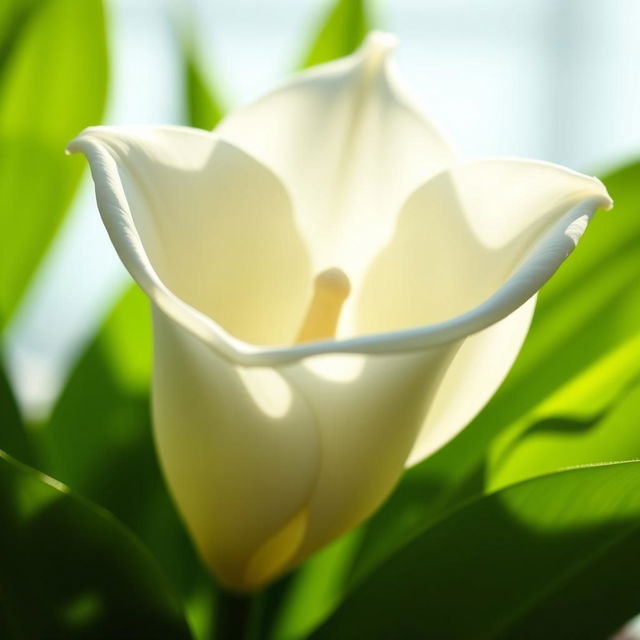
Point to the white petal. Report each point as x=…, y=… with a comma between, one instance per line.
x=369, y=410
x=199, y=220
x=113, y=185
x=268, y=465
x=350, y=147
x=461, y=235
x=240, y=450
x=475, y=374
x=472, y=245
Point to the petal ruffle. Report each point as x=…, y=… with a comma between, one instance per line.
x=461, y=235
x=197, y=219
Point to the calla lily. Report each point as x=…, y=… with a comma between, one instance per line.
x=335, y=295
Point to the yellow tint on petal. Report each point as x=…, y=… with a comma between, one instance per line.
x=274, y=554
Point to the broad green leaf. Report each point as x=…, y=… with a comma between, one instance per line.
x=203, y=105
x=70, y=570
x=14, y=16
x=592, y=418
x=315, y=590
x=554, y=557
x=52, y=85
x=423, y=495
x=14, y=438
x=341, y=33
x=579, y=422
x=588, y=311
x=99, y=441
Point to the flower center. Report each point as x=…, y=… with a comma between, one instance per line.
x=330, y=289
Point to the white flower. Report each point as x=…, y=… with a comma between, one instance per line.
x=335, y=295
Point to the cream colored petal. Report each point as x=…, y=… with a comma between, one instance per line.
x=369, y=411
x=475, y=374
x=240, y=450
x=200, y=220
x=350, y=147
x=461, y=235
x=471, y=246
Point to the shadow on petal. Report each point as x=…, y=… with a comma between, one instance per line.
x=216, y=225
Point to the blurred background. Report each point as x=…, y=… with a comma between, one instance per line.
x=556, y=81
x=551, y=80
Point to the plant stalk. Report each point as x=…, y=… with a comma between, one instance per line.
x=237, y=616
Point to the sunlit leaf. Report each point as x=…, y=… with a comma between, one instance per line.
x=99, y=441
x=14, y=438
x=591, y=419
x=14, y=16
x=555, y=558
x=203, y=105
x=587, y=310
x=70, y=570
x=343, y=30
x=52, y=84
x=315, y=590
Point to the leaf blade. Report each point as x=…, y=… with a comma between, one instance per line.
x=104, y=412
x=342, y=31
x=70, y=570
x=14, y=438
x=532, y=560
x=60, y=52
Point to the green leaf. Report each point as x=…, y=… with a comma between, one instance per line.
x=103, y=410
x=315, y=590
x=423, y=496
x=70, y=570
x=204, y=109
x=586, y=315
x=579, y=421
x=14, y=16
x=204, y=106
x=555, y=558
x=14, y=438
x=592, y=418
x=587, y=311
x=99, y=440
x=53, y=84
x=341, y=33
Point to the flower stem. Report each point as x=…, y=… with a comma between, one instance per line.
x=237, y=617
